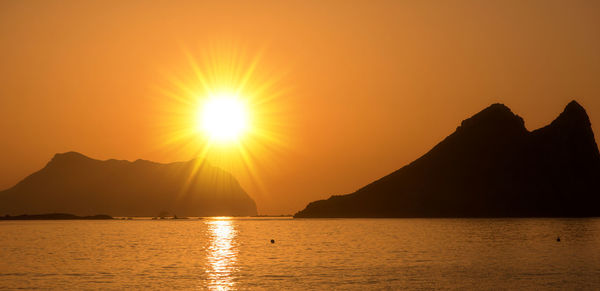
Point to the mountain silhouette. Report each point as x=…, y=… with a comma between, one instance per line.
x=55, y=216
x=491, y=166
x=74, y=183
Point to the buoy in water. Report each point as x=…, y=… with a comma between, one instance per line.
x=272, y=241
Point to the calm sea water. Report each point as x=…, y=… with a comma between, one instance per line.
x=223, y=253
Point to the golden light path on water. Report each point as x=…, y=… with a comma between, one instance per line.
x=221, y=253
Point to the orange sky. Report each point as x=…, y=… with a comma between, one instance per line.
x=369, y=85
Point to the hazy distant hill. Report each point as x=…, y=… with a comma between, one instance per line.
x=74, y=183
x=491, y=166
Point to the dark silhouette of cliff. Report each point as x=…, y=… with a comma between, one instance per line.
x=491, y=166
x=74, y=183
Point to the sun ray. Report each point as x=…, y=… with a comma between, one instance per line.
x=222, y=86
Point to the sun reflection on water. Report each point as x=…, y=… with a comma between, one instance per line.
x=222, y=253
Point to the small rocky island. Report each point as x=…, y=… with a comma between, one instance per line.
x=55, y=216
x=491, y=166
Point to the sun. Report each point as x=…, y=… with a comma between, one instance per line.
x=228, y=108
x=223, y=118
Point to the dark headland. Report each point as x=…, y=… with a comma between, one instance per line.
x=74, y=183
x=491, y=166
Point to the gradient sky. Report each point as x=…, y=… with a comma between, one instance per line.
x=369, y=85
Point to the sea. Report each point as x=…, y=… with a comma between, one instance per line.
x=224, y=253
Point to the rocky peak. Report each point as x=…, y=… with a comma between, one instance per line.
x=68, y=157
x=574, y=115
x=495, y=118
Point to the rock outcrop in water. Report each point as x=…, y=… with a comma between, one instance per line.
x=74, y=183
x=491, y=166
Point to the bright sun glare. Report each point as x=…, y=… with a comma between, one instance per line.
x=223, y=118
x=226, y=109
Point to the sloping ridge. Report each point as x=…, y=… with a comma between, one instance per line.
x=76, y=184
x=491, y=166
